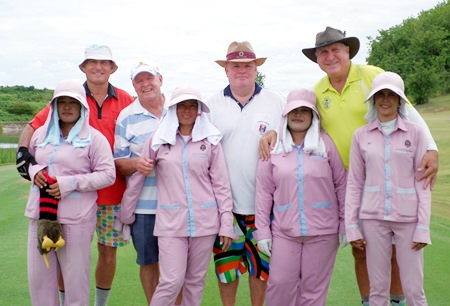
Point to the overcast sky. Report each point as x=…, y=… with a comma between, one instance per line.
x=43, y=42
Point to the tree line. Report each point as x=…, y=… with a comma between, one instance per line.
x=21, y=103
x=418, y=50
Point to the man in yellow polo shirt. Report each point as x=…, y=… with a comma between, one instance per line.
x=340, y=101
x=340, y=115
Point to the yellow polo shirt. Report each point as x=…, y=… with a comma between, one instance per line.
x=342, y=113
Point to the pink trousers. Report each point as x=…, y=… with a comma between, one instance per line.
x=378, y=235
x=74, y=260
x=183, y=263
x=300, y=270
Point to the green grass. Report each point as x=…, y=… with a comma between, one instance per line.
x=127, y=288
x=7, y=156
x=8, y=138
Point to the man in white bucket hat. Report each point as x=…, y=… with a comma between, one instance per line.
x=243, y=112
x=340, y=95
x=98, y=53
x=105, y=103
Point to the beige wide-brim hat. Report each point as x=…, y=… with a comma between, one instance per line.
x=187, y=92
x=100, y=53
x=331, y=36
x=241, y=52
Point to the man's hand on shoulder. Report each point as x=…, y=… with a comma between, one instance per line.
x=266, y=144
x=430, y=163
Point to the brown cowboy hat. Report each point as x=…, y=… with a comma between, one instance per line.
x=331, y=36
x=241, y=52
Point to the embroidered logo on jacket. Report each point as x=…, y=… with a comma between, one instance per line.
x=407, y=143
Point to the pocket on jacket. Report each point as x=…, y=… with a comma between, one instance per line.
x=208, y=216
x=71, y=207
x=169, y=216
x=325, y=216
x=370, y=200
x=285, y=217
x=408, y=202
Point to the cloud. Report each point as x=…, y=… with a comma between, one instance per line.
x=43, y=41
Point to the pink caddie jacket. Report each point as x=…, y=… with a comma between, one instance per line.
x=305, y=191
x=79, y=171
x=194, y=193
x=382, y=181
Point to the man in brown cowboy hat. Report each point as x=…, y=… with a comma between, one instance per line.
x=243, y=112
x=340, y=101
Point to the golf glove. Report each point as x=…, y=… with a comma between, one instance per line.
x=23, y=161
x=125, y=229
x=343, y=240
x=265, y=246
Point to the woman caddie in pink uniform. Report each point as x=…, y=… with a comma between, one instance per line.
x=384, y=200
x=79, y=157
x=303, y=183
x=194, y=197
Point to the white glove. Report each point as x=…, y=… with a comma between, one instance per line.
x=343, y=240
x=265, y=246
x=124, y=228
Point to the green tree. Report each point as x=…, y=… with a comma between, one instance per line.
x=418, y=50
x=260, y=78
x=421, y=83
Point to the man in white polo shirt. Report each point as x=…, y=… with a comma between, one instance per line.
x=243, y=112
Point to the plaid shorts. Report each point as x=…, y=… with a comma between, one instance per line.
x=243, y=254
x=106, y=234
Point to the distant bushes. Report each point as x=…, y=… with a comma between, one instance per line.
x=21, y=103
x=20, y=108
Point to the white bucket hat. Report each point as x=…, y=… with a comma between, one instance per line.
x=71, y=88
x=186, y=92
x=98, y=52
x=203, y=128
x=80, y=133
x=313, y=143
x=144, y=66
x=388, y=80
x=301, y=97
